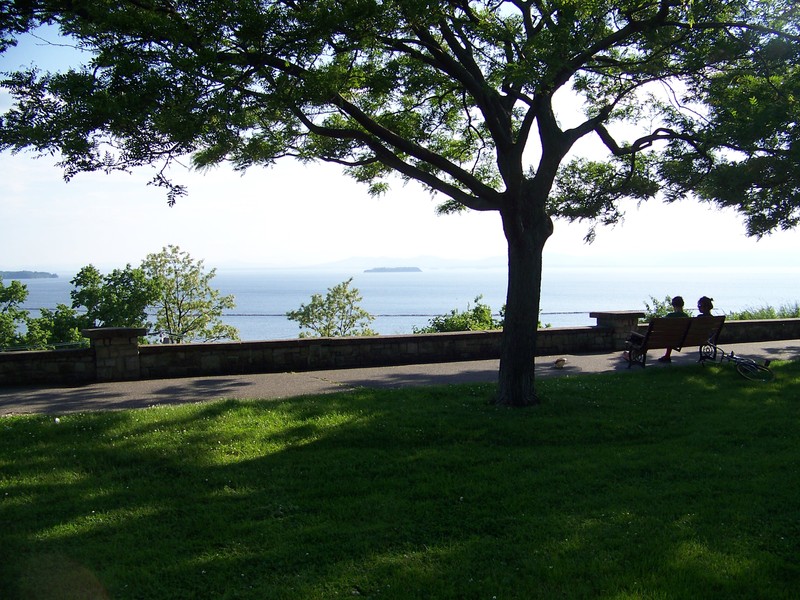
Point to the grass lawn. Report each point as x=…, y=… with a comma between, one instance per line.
x=678, y=482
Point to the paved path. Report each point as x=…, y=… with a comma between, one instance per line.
x=139, y=394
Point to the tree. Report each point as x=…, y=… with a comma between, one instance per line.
x=482, y=102
x=187, y=307
x=119, y=299
x=53, y=328
x=11, y=315
x=338, y=314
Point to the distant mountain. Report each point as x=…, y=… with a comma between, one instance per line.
x=424, y=263
x=27, y=275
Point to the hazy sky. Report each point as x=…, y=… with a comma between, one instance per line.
x=296, y=215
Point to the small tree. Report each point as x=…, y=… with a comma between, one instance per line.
x=187, y=307
x=11, y=315
x=338, y=314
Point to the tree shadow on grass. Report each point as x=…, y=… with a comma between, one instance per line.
x=381, y=493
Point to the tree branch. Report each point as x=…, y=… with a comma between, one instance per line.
x=466, y=71
x=735, y=25
x=660, y=134
x=582, y=58
x=484, y=198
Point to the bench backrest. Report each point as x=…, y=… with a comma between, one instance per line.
x=703, y=329
x=666, y=332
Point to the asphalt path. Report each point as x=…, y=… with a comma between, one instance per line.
x=55, y=400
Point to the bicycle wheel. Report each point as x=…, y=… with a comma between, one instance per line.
x=754, y=372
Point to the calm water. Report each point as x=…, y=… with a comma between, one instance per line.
x=402, y=301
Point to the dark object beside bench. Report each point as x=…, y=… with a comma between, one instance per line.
x=675, y=333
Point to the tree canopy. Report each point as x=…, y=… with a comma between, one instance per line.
x=337, y=314
x=483, y=102
x=119, y=299
x=187, y=307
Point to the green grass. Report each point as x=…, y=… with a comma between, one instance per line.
x=661, y=483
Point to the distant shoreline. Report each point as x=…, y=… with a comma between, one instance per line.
x=27, y=275
x=394, y=270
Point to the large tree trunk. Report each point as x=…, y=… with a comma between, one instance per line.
x=526, y=231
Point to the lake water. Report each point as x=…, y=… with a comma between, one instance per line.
x=402, y=301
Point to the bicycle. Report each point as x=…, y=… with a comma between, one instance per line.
x=746, y=367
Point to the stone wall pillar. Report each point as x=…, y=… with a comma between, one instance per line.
x=116, y=351
x=622, y=322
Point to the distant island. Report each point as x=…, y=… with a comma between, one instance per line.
x=394, y=270
x=27, y=275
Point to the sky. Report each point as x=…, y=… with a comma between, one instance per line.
x=293, y=215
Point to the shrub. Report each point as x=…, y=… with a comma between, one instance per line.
x=786, y=311
x=658, y=308
x=476, y=318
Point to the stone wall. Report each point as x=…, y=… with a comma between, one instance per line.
x=735, y=332
x=70, y=367
x=116, y=355
x=187, y=360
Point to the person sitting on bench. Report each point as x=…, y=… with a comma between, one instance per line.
x=677, y=312
x=704, y=305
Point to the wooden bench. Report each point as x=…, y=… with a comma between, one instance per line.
x=703, y=333
x=675, y=333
